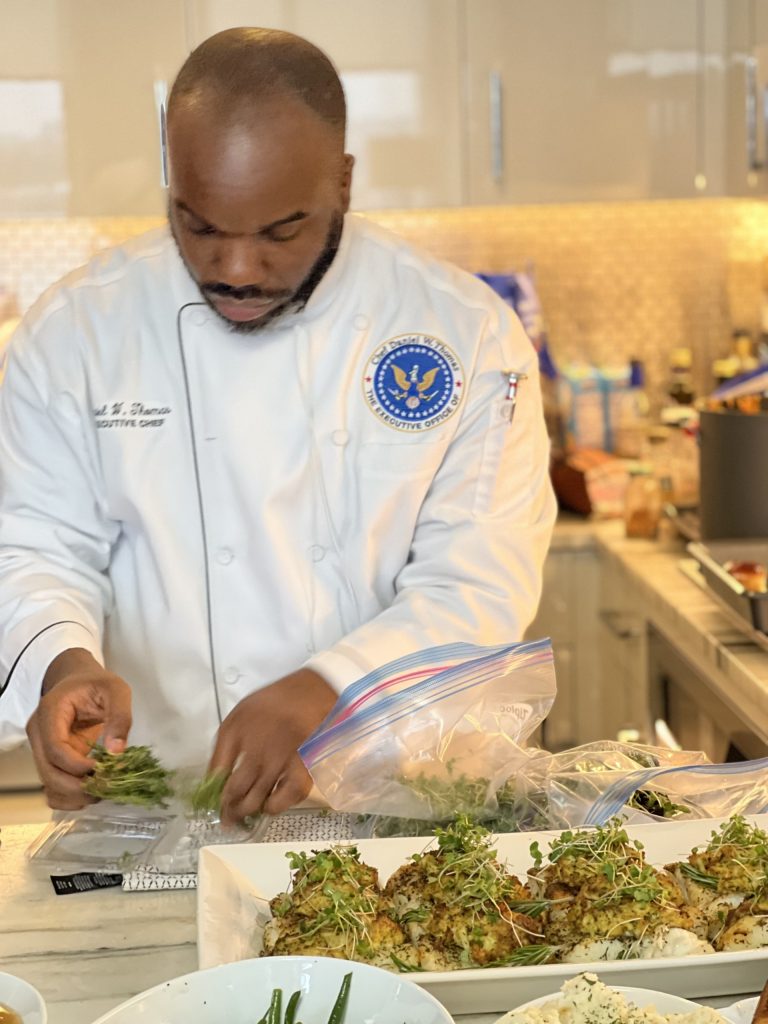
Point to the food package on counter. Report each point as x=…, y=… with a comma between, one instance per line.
x=591, y=482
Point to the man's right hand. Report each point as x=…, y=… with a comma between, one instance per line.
x=81, y=703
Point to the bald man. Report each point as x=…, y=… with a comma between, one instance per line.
x=248, y=460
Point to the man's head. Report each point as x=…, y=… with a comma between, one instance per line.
x=259, y=181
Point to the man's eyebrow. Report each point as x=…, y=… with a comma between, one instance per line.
x=290, y=219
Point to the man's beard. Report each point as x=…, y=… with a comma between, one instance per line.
x=293, y=304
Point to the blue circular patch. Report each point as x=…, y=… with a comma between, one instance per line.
x=413, y=382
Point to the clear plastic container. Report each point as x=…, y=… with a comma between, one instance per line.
x=119, y=838
x=642, y=504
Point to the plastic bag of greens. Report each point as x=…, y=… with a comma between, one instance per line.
x=591, y=784
x=560, y=790
x=434, y=735
x=699, y=790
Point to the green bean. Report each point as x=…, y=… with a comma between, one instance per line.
x=290, y=1012
x=340, y=1006
x=273, y=1013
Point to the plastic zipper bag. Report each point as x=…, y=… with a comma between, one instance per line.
x=561, y=790
x=699, y=790
x=438, y=746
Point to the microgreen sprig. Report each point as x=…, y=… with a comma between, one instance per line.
x=205, y=796
x=134, y=776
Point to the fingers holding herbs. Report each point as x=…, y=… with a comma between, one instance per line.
x=81, y=703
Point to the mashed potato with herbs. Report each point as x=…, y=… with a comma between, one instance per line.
x=586, y=1000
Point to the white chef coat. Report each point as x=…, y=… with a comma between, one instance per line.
x=205, y=511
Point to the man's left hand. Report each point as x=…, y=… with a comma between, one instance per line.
x=258, y=743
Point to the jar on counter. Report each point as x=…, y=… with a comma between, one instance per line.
x=642, y=504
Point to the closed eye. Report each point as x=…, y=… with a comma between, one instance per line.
x=282, y=233
x=203, y=229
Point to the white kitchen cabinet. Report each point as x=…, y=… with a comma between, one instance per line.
x=568, y=615
x=735, y=34
x=79, y=128
x=593, y=100
x=399, y=62
x=623, y=703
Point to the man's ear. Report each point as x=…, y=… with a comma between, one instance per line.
x=346, y=181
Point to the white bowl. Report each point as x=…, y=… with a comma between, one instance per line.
x=20, y=996
x=640, y=997
x=239, y=993
x=741, y=1012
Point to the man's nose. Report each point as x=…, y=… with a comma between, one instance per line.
x=243, y=262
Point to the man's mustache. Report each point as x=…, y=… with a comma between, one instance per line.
x=246, y=292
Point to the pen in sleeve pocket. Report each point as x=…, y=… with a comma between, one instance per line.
x=512, y=380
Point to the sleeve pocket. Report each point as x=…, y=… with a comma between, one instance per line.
x=495, y=485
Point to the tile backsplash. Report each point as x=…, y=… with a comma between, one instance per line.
x=616, y=280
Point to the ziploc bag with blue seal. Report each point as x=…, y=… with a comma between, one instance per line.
x=566, y=789
x=699, y=790
x=439, y=730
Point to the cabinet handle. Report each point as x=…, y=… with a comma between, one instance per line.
x=750, y=97
x=497, y=127
x=161, y=100
x=616, y=622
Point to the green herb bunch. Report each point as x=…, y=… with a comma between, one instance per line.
x=134, y=776
x=656, y=803
x=205, y=795
x=451, y=795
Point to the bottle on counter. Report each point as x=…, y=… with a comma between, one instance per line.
x=642, y=503
x=680, y=387
x=631, y=411
x=744, y=351
x=725, y=369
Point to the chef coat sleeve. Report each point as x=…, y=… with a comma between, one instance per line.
x=475, y=566
x=54, y=537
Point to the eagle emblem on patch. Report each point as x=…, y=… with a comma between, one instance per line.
x=413, y=382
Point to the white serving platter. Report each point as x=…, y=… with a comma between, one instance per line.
x=236, y=882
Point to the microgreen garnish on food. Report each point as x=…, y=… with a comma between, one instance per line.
x=609, y=842
x=737, y=831
x=736, y=857
x=607, y=859
x=342, y=894
x=467, y=870
x=134, y=776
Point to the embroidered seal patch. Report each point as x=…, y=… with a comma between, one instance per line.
x=413, y=382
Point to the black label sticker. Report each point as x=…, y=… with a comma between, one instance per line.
x=84, y=881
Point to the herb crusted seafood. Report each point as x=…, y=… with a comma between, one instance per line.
x=727, y=881
x=601, y=900
x=591, y=897
x=447, y=908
